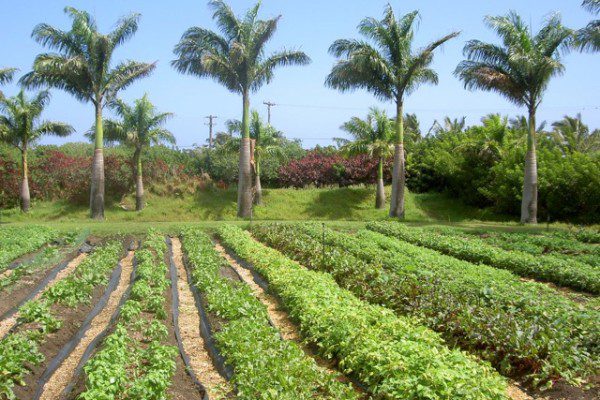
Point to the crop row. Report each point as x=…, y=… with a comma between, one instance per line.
x=547, y=247
x=134, y=362
x=17, y=241
x=22, y=347
x=575, y=275
x=522, y=328
x=265, y=365
x=394, y=356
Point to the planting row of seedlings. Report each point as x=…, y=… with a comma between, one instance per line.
x=393, y=356
x=577, y=276
x=547, y=247
x=18, y=241
x=136, y=360
x=523, y=328
x=45, y=324
x=263, y=364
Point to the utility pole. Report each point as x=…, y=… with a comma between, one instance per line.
x=210, y=127
x=269, y=105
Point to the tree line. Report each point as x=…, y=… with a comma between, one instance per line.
x=384, y=62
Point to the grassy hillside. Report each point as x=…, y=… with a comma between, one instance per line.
x=338, y=204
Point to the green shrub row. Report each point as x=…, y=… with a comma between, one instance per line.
x=574, y=275
x=485, y=310
x=17, y=241
x=134, y=362
x=394, y=356
x=265, y=366
x=19, y=350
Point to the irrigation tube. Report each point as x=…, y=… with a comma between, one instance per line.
x=205, y=328
x=175, y=312
x=68, y=348
x=100, y=337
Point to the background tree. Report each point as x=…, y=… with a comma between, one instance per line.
x=139, y=127
x=266, y=142
x=573, y=135
x=6, y=75
x=520, y=70
x=19, y=127
x=390, y=69
x=82, y=67
x=588, y=38
x=373, y=136
x=237, y=60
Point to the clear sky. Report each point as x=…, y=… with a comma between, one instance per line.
x=306, y=110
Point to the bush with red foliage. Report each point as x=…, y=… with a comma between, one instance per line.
x=318, y=169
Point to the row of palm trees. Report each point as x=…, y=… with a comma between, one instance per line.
x=385, y=64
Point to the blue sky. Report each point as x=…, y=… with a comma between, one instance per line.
x=307, y=110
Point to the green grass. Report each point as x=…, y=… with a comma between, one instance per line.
x=338, y=207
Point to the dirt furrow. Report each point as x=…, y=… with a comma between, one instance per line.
x=64, y=373
x=191, y=338
x=8, y=323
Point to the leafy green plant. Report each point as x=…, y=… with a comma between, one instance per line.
x=39, y=311
x=16, y=241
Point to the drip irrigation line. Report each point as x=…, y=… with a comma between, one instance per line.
x=66, y=350
x=175, y=312
x=89, y=351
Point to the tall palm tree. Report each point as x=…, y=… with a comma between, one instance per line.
x=237, y=60
x=6, y=75
x=588, y=38
x=520, y=70
x=573, y=135
x=20, y=127
x=82, y=67
x=390, y=69
x=265, y=142
x=373, y=136
x=139, y=127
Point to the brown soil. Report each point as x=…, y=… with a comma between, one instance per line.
x=8, y=323
x=192, y=341
x=281, y=320
x=63, y=375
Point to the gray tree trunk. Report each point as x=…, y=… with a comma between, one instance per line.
x=530, y=181
x=380, y=194
x=139, y=182
x=245, y=181
x=25, y=197
x=97, y=184
x=398, y=173
x=257, y=190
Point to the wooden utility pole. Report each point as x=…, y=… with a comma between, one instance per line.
x=269, y=105
x=210, y=129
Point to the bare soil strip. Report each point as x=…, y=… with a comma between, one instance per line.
x=64, y=374
x=280, y=319
x=8, y=323
x=189, y=327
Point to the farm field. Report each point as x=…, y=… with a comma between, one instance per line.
x=296, y=311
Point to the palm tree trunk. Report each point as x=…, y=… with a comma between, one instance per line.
x=257, y=184
x=25, y=197
x=530, y=189
x=398, y=173
x=97, y=186
x=380, y=195
x=244, y=199
x=139, y=183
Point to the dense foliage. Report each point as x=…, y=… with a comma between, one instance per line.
x=265, y=365
x=16, y=241
x=369, y=341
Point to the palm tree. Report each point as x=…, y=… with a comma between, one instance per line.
x=82, y=67
x=265, y=142
x=140, y=126
x=520, y=70
x=237, y=60
x=588, y=38
x=6, y=75
x=390, y=69
x=19, y=127
x=573, y=135
x=373, y=136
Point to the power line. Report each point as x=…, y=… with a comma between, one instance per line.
x=210, y=128
x=269, y=105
